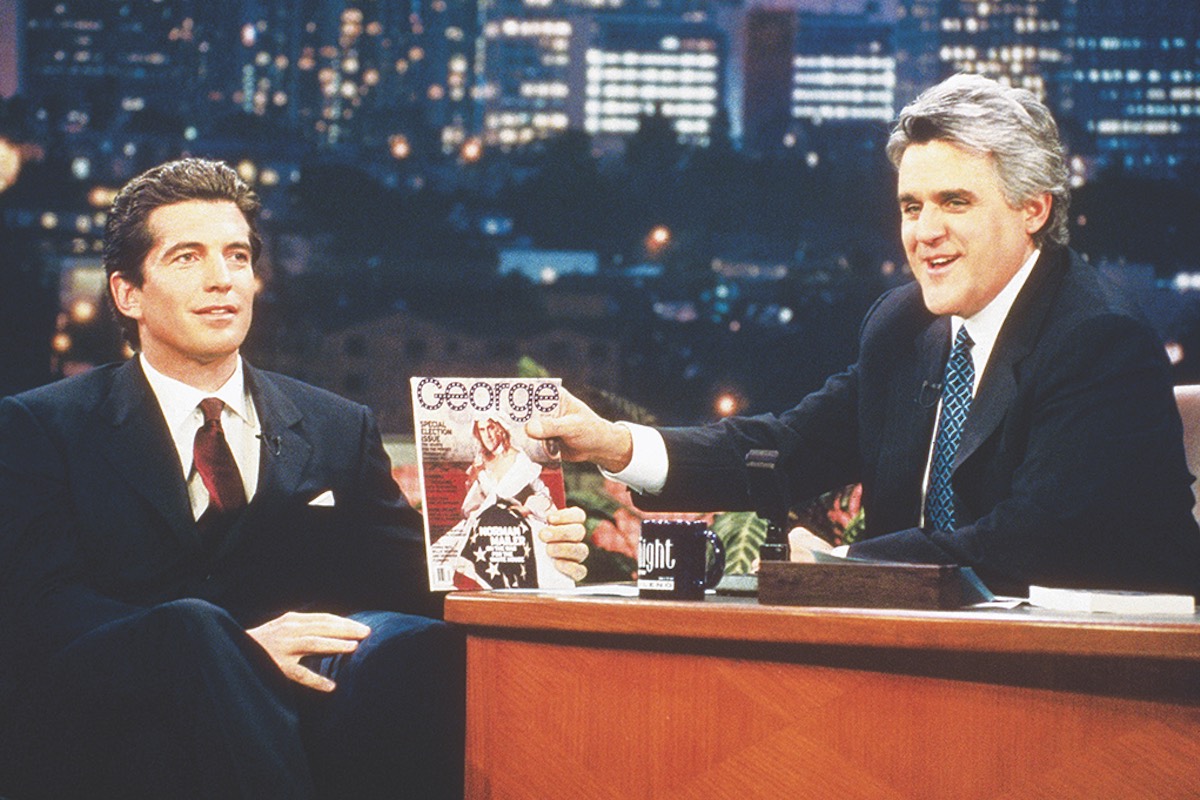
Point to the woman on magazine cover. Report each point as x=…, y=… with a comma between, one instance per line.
x=506, y=502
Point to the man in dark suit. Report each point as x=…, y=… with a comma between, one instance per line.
x=1008, y=410
x=210, y=585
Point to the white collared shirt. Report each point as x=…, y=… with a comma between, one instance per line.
x=647, y=471
x=985, y=324
x=180, y=404
x=984, y=328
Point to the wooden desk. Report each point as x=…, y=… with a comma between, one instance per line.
x=588, y=697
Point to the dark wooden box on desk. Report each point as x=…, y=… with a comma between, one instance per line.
x=855, y=584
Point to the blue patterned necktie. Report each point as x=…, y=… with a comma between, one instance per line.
x=957, y=384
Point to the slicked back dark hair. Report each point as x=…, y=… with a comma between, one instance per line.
x=127, y=237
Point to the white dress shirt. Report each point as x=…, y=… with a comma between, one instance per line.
x=647, y=471
x=180, y=404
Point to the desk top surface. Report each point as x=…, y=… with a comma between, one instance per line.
x=736, y=619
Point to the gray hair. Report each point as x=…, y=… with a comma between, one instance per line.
x=1009, y=124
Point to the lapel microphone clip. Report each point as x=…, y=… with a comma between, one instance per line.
x=274, y=443
x=929, y=394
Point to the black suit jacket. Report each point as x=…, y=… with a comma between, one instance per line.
x=1071, y=469
x=95, y=521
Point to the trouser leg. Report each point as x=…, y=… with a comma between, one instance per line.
x=175, y=701
x=393, y=727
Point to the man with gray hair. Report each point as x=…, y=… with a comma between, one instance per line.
x=1008, y=411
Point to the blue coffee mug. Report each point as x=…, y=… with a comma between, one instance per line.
x=673, y=559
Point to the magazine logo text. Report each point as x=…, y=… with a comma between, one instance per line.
x=516, y=399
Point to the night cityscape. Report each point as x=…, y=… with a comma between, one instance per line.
x=684, y=203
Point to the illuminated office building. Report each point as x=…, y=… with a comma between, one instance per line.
x=371, y=72
x=85, y=63
x=530, y=63
x=1133, y=85
x=518, y=8
x=374, y=73
x=1019, y=42
x=597, y=65
x=843, y=70
x=638, y=68
x=265, y=81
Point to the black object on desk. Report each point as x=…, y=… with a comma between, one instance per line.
x=772, y=505
x=857, y=583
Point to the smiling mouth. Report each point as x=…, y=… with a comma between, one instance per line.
x=217, y=312
x=940, y=263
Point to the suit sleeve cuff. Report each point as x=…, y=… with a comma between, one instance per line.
x=647, y=470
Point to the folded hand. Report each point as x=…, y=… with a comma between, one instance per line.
x=563, y=535
x=289, y=638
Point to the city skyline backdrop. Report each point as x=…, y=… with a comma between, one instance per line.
x=661, y=198
x=445, y=77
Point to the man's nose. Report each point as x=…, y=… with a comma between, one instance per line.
x=930, y=225
x=218, y=272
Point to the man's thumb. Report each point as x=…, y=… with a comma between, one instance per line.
x=540, y=428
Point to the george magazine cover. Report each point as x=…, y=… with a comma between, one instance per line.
x=485, y=486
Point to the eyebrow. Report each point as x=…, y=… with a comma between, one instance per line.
x=180, y=246
x=239, y=245
x=940, y=196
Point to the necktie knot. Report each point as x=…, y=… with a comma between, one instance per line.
x=211, y=408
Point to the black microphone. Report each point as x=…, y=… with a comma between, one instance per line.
x=771, y=502
x=274, y=443
x=929, y=394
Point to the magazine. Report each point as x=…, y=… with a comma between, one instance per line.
x=485, y=486
x=1111, y=601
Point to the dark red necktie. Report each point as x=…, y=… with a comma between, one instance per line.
x=215, y=463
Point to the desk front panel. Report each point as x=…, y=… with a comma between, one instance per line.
x=630, y=711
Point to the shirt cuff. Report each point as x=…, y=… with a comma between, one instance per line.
x=647, y=469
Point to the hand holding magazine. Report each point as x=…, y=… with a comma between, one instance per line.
x=485, y=486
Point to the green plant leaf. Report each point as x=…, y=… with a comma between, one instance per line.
x=597, y=505
x=614, y=406
x=528, y=368
x=742, y=533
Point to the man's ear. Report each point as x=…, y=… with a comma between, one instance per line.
x=1037, y=211
x=126, y=297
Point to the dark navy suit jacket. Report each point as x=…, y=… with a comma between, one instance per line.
x=95, y=521
x=1071, y=469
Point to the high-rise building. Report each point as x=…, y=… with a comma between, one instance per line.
x=639, y=67
x=768, y=48
x=374, y=73
x=529, y=65
x=1132, y=86
x=843, y=70
x=258, y=75
x=87, y=62
x=1019, y=42
x=600, y=66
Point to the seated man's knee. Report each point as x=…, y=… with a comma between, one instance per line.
x=410, y=638
x=189, y=620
